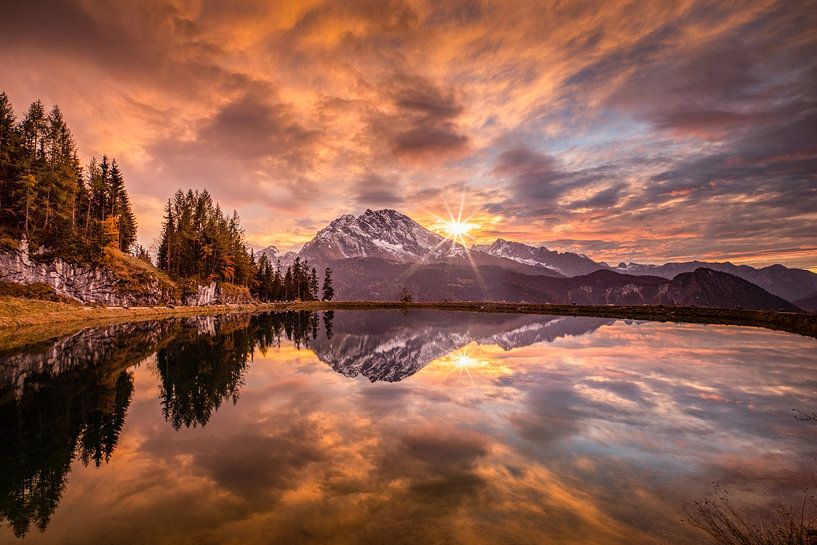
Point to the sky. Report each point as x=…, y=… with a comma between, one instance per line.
x=629, y=131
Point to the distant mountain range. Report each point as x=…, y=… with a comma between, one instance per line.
x=381, y=254
x=563, y=263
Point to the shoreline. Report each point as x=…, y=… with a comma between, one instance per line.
x=70, y=317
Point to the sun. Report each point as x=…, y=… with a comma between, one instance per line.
x=455, y=227
x=458, y=229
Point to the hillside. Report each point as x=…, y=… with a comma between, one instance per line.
x=808, y=303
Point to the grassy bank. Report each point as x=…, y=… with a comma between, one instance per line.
x=17, y=312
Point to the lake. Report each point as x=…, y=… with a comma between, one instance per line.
x=392, y=427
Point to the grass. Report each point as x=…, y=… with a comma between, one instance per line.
x=18, y=312
x=31, y=291
x=11, y=307
x=137, y=276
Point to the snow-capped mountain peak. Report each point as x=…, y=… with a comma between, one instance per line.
x=383, y=233
x=274, y=256
x=566, y=263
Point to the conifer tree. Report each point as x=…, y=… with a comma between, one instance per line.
x=9, y=162
x=313, y=285
x=199, y=242
x=328, y=290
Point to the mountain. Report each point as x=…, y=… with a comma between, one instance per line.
x=274, y=256
x=382, y=254
x=385, y=234
x=270, y=252
x=808, y=303
x=790, y=284
x=709, y=288
x=565, y=263
x=389, y=346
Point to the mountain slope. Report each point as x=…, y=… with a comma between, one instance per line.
x=566, y=263
x=808, y=303
x=790, y=284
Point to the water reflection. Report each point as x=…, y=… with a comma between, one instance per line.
x=471, y=428
x=77, y=414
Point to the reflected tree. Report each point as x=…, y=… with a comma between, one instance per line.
x=55, y=420
x=328, y=319
x=199, y=372
x=103, y=426
x=51, y=420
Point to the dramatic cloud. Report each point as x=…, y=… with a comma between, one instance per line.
x=685, y=132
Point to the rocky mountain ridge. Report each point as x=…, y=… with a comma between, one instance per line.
x=370, y=240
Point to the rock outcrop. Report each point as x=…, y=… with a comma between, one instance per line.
x=218, y=293
x=90, y=285
x=99, y=285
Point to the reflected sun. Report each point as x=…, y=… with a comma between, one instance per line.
x=463, y=360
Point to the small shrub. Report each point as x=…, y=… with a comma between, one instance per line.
x=727, y=525
x=405, y=296
x=8, y=243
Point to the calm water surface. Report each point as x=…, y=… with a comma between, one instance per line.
x=383, y=427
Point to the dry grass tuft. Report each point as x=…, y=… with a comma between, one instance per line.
x=726, y=525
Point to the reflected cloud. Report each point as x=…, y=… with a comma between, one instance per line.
x=564, y=430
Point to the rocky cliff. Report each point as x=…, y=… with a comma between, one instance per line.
x=124, y=281
x=89, y=285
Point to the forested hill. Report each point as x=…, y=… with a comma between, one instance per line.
x=47, y=196
x=82, y=215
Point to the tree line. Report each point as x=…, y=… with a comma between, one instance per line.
x=200, y=242
x=47, y=197
x=298, y=282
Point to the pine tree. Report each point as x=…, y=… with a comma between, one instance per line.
x=115, y=189
x=313, y=285
x=289, y=290
x=328, y=290
x=199, y=242
x=9, y=165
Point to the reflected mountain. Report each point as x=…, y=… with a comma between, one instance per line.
x=66, y=399
x=390, y=346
